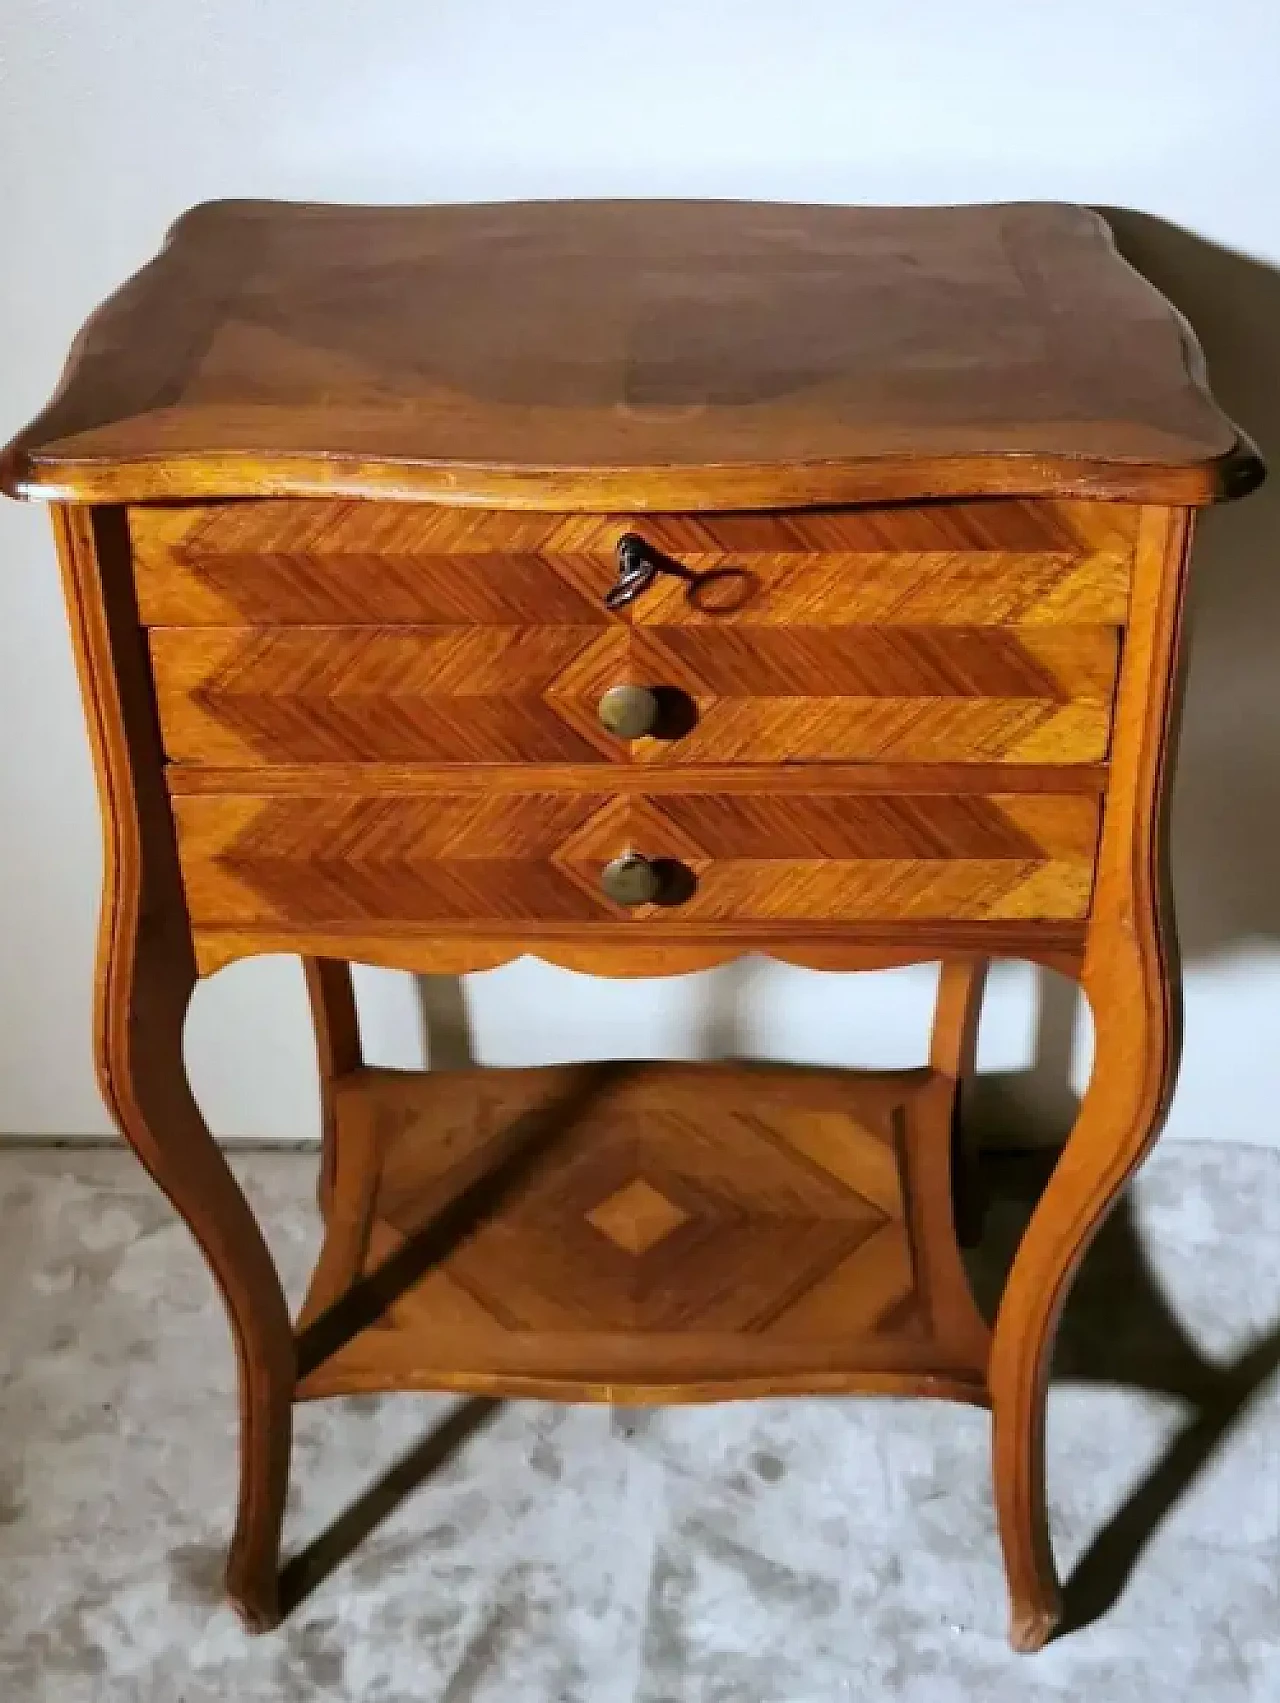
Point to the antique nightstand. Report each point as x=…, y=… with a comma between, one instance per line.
x=637, y=585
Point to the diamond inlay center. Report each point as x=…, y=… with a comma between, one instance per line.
x=637, y=1217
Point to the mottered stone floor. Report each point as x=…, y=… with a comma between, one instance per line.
x=774, y=1552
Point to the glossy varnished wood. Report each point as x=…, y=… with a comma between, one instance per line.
x=1130, y=977
x=642, y=1233
x=624, y=951
x=462, y=854
x=230, y=696
x=1088, y=780
x=353, y=714
x=145, y=976
x=338, y=632
x=953, y=1053
x=335, y=1020
x=310, y=563
x=665, y=945
x=661, y=355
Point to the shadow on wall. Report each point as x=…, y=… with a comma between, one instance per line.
x=1227, y=798
x=1226, y=801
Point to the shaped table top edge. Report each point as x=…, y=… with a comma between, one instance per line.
x=250, y=452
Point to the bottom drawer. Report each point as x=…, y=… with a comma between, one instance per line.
x=488, y=855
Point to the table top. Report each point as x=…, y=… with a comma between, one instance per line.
x=634, y=354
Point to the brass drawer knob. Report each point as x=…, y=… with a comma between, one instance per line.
x=629, y=711
x=631, y=880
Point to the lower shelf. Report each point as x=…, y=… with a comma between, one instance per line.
x=642, y=1232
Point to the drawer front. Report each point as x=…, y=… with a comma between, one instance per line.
x=230, y=695
x=288, y=632
x=302, y=563
x=498, y=856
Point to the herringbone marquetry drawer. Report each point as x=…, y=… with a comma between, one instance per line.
x=321, y=632
x=473, y=854
x=998, y=562
x=236, y=696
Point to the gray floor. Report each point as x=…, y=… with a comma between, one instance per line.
x=784, y=1552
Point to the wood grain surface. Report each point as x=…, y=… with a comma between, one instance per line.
x=336, y=779
x=311, y=563
x=144, y=977
x=620, y=950
x=331, y=995
x=919, y=483
x=1132, y=979
x=642, y=1232
x=954, y=632
x=471, y=855
x=233, y=696
x=666, y=355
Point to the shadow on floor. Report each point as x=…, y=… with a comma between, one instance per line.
x=1118, y=1329
x=311, y=1566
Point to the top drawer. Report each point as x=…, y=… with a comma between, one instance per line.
x=291, y=631
x=301, y=563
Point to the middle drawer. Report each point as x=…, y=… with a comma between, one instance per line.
x=544, y=694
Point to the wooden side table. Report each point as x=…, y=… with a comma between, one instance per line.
x=637, y=585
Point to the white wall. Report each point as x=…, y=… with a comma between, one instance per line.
x=115, y=114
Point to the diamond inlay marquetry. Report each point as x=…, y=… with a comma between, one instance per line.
x=637, y=1217
x=522, y=1218
x=472, y=854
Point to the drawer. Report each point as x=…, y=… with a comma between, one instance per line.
x=300, y=563
x=236, y=696
x=498, y=855
x=297, y=632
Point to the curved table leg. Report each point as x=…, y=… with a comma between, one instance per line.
x=145, y=975
x=143, y=997
x=1130, y=977
x=953, y=1049
x=337, y=1029
x=1136, y=1028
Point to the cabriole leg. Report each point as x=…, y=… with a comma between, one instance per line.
x=1136, y=1042
x=146, y=972
x=337, y=1030
x=953, y=1049
x=142, y=1004
x=1130, y=977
